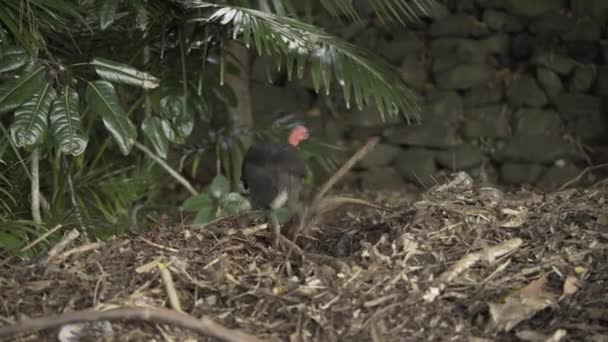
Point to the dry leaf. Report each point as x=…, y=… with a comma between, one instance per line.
x=570, y=287
x=515, y=218
x=521, y=305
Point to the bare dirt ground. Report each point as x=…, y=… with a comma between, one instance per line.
x=456, y=265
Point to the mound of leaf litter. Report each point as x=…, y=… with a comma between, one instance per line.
x=459, y=264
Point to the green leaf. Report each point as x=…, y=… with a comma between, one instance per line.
x=174, y=108
x=234, y=203
x=15, y=91
x=196, y=202
x=204, y=215
x=219, y=186
x=103, y=100
x=12, y=57
x=106, y=12
x=154, y=131
x=66, y=124
x=31, y=119
x=125, y=74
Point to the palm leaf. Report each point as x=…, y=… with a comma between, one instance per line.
x=30, y=21
x=362, y=78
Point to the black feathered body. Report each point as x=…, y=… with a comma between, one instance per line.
x=272, y=173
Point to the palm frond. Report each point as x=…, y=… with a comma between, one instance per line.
x=30, y=21
x=401, y=11
x=295, y=44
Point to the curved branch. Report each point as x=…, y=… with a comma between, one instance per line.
x=167, y=167
x=203, y=326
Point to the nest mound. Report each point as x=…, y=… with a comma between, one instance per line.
x=459, y=264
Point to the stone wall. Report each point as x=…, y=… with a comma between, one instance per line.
x=513, y=92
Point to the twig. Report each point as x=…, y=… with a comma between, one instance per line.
x=153, y=244
x=317, y=258
x=42, y=237
x=580, y=175
x=167, y=168
x=76, y=250
x=309, y=216
x=471, y=259
x=203, y=326
x=61, y=245
x=362, y=152
x=36, y=186
x=169, y=286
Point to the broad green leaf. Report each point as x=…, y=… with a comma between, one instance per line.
x=219, y=186
x=106, y=12
x=31, y=119
x=204, y=215
x=153, y=129
x=122, y=73
x=103, y=100
x=66, y=124
x=12, y=57
x=179, y=113
x=197, y=202
x=233, y=203
x=15, y=91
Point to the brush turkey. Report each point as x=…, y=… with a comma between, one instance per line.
x=272, y=175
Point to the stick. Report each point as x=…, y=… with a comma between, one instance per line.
x=580, y=175
x=203, y=326
x=61, y=245
x=169, y=286
x=153, y=244
x=167, y=168
x=36, y=186
x=362, y=152
x=80, y=249
x=42, y=237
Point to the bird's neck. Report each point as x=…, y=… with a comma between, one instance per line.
x=293, y=141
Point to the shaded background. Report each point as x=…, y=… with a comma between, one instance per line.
x=512, y=91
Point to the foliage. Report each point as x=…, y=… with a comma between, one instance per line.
x=216, y=201
x=84, y=78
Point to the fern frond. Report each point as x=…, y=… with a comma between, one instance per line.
x=362, y=77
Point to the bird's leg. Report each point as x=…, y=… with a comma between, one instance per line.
x=276, y=228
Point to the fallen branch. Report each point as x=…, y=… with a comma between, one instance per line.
x=61, y=245
x=328, y=204
x=76, y=250
x=362, y=152
x=203, y=326
x=310, y=215
x=169, y=286
x=580, y=175
x=40, y=238
x=167, y=167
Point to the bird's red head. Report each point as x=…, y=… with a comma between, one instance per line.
x=297, y=135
